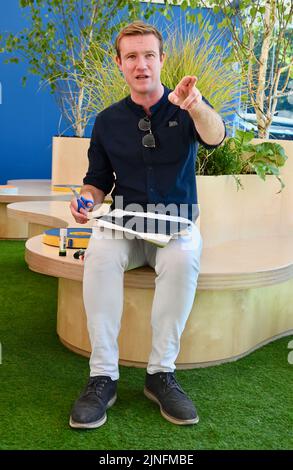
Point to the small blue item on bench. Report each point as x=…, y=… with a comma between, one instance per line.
x=76, y=237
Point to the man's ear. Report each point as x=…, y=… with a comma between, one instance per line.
x=162, y=59
x=118, y=62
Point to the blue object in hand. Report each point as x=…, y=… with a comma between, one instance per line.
x=82, y=202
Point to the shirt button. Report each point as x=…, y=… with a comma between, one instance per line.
x=150, y=167
x=151, y=190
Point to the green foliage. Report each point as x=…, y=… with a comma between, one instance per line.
x=239, y=156
x=186, y=54
x=100, y=77
x=198, y=53
x=58, y=37
x=263, y=46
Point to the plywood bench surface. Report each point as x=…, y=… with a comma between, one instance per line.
x=236, y=264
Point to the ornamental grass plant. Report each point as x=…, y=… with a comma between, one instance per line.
x=190, y=51
x=200, y=53
x=193, y=52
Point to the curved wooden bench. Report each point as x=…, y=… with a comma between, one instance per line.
x=28, y=190
x=42, y=215
x=245, y=288
x=237, y=308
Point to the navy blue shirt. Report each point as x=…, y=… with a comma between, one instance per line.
x=161, y=175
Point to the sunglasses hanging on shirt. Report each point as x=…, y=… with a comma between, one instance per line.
x=148, y=140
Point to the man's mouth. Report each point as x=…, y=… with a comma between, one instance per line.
x=142, y=77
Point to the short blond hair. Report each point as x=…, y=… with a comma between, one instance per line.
x=136, y=28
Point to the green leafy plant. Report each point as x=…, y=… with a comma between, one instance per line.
x=57, y=41
x=239, y=156
x=100, y=77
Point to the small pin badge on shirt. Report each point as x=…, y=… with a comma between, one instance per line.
x=173, y=123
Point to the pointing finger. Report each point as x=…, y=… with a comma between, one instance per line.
x=188, y=81
x=191, y=82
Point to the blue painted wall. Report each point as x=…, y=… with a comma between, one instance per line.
x=29, y=116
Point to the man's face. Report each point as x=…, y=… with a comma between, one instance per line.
x=140, y=63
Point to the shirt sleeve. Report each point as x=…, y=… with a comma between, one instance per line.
x=100, y=172
x=199, y=139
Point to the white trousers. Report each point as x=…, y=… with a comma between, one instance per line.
x=177, y=268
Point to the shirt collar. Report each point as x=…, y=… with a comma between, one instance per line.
x=139, y=109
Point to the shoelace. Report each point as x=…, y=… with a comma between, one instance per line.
x=170, y=381
x=96, y=386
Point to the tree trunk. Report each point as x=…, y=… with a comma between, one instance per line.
x=263, y=115
x=263, y=132
x=79, y=123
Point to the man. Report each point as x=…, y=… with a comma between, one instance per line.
x=146, y=144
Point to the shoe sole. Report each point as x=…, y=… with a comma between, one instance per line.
x=180, y=422
x=94, y=424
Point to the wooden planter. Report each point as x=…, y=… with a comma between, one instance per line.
x=256, y=211
x=69, y=160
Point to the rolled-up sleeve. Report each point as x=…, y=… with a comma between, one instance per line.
x=100, y=172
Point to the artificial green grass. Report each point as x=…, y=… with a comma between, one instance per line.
x=242, y=405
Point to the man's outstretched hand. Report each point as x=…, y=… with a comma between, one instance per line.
x=186, y=95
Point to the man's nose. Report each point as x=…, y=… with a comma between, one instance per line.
x=141, y=63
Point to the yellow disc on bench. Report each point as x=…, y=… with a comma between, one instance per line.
x=76, y=237
x=66, y=188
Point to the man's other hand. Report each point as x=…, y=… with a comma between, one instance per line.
x=186, y=95
x=81, y=215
